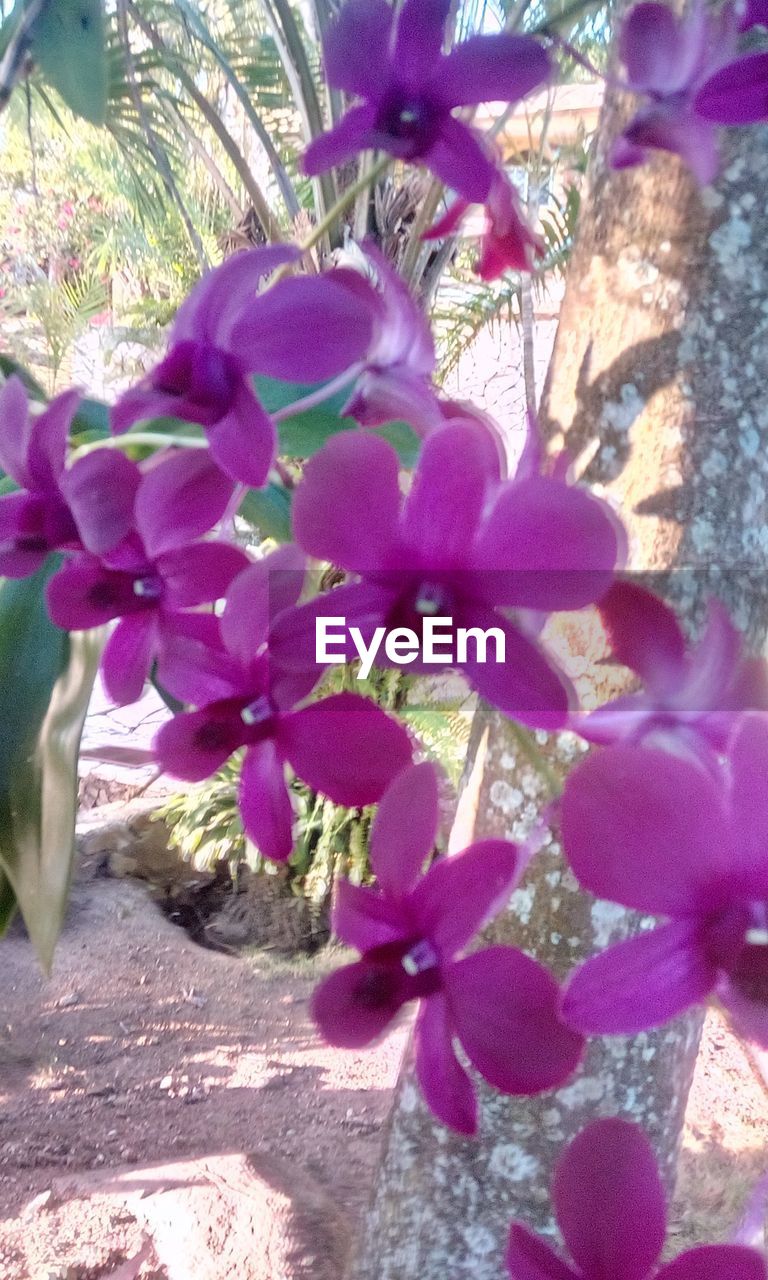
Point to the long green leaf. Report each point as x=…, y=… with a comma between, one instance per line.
x=46, y=677
x=69, y=43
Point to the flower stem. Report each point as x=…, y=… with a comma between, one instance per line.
x=154, y=438
x=366, y=179
x=320, y=395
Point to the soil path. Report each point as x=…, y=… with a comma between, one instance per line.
x=204, y=1073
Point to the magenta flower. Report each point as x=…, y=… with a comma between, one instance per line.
x=668, y=59
x=508, y=243
x=689, y=700
x=395, y=382
x=738, y=92
x=609, y=1204
x=410, y=89
x=664, y=835
x=462, y=545
x=303, y=329
x=411, y=929
x=343, y=746
x=38, y=518
x=154, y=573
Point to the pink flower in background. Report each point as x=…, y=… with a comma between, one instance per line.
x=343, y=746
x=38, y=518
x=411, y=930
x=508, y=243
x=689, y=700
x=664, y=835
x=303, y=329
x=609, y=1205
x=156, y=571
x=410, y=89
x=461, y=545
x=668, y=59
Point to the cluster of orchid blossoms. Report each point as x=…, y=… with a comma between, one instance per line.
x=669, y=816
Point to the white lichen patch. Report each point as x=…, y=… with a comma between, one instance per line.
x=513, y=1163
x=606, y=918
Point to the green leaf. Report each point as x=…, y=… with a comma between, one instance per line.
x=7, y=904
x=91, y=421
x=69, y=43
x=269, y=511
x=46, y=678
x=303, y=435
x=9, y=366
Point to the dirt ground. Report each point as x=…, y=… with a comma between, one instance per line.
x=146, y=1063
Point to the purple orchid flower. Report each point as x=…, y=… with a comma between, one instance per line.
x=609, y=1203
x=462, y=545
x=155, y=572
x=410, y=89
x=395, y=382
x=343, y=746
x=225, y=331
x=668, y=59
x=688, y=701
x=664, y=835
x=41, y=516
x=411, y=929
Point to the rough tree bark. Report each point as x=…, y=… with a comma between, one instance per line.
x=657, y=384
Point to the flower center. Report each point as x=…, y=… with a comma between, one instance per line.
x=431, y=600
x=420, y=959
x=410, y=122
x=148, y=588
x=256, y=712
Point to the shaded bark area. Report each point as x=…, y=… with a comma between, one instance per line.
x=657, y=387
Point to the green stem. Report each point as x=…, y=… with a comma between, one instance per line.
x=155, y=438
x=344, y=201
x=567, y=15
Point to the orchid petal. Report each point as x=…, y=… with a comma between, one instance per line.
x=15, y=427
x=491, y=68
x=447, y=1089
x=418, y=39
x=199, y=573
x=355, y=45
x=645, y=829
x=345, y=747
x=194, y=744
x=265, y=802
x=404, y=829
x=127, y=657
x=215, y=302
x=639, y=983
x=100, y=489
x=529, y=1258
x=446, y=499
x=461, y=893
x=352, y=134
x=715, y=1262
x=346, y=508
x=547, y=545
x=504, y=1010
x=181, y=497
x=48, y=436
x=331, y=329
x=609, y=1201
x=356, y=1005
x=257, y=596
x=737, y=93
x=644, y=635
x=365, y=918
x=459, y=159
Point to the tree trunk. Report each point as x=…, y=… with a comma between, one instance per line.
x=658, y=386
